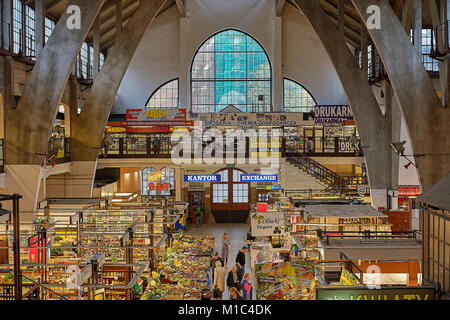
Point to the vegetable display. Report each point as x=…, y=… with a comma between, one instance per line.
x=183, y=272
x=286, y=281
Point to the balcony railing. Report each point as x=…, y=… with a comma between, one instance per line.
x=58, y=151
x=140, y=146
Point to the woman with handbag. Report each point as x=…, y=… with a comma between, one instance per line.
x=219, y=280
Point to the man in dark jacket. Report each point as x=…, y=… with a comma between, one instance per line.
x=240, y=259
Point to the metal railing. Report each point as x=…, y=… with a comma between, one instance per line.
x=160, y=146
x=58, y=151
x=325, y=175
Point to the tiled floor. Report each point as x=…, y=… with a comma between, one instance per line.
x=237, y=233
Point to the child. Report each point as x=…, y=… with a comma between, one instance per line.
x=247, y=288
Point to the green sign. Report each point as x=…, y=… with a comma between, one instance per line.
x=362, y=293
x=137, y=288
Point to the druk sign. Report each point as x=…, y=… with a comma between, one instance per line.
x=202, y=178
x=332, y=115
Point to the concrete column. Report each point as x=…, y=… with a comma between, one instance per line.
x=426, y=120
x=89, y=126
x=80, y=182
x=394, y=118
x=39, y=15
x=6, y=17
x=96, y=40
x=366, y=110
x=364, y=52
x=88, y=129
x=418, y=26
x=277, y=66
x=8, y=83
x=28, y=127
x=178, y=184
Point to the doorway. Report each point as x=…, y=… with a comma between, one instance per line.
x=195, y=198
x=230, y=197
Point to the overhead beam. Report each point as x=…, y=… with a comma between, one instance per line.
x=52, y=4
x=280, y=6
x=181, y=7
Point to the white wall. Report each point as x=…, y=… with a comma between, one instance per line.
x=170, y=44
x=305, y=59
x=155, y=62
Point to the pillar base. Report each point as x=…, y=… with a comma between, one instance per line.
x=379, y=198
x=24, y=180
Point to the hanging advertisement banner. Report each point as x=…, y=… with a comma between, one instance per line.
x=265, y=224
x=251, y=119
x=153, y=117
x=333, y=115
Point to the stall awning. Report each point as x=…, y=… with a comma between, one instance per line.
x=409, y=191
x=343, y=211
x=439, y=194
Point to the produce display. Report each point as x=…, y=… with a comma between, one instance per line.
x=286, y=281
x=183, y=272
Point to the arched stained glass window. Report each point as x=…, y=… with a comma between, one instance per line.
x=297, y=98
x=165, y=96
x=231, y=68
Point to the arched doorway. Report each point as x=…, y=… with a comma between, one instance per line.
x=230, y=198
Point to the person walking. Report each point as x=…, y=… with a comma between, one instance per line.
x=213, y=261
x=240, y=259
x=247, y=288
x=234, y=294
x=198, y=214
x=225, y=247
x=219, y=279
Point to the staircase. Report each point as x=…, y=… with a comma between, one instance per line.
x=322, y=174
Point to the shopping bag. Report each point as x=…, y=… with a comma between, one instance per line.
x=216, y=292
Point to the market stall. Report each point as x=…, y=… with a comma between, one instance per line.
x=285, y=281
x=183, y=272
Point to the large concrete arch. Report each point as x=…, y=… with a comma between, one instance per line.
x=28, y=126
x=426, y=119
x=88, y=128
x=371, y=123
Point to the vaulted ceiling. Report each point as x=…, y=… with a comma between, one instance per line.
x=115, y=14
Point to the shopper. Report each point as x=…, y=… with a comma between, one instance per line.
x=219, y=279
x=234, y=294
x=225, y=247
x=234, y=278
x=247, y=288
x=240, y=259
x=198, y=214
x=214, y=259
